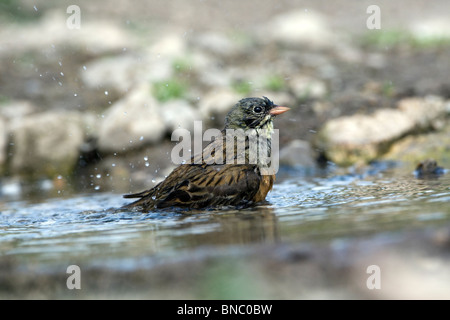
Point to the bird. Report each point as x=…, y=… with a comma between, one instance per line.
x=221, y=177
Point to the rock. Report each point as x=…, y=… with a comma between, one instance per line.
x=3, y=145
x=17, y=108
x=428, y=169
x=123, y=72
x=131, y=122
x=414, y=148
x=51, y=34
x=301, y=27
x=426, y=112
x=361, y=138
x=179, y=114
x=297, y=153
x=307, y=88
x=169, y=46
x=216, y=104
x=215, y=43
x=433, y=29
x=119, y=73
x=45, y=144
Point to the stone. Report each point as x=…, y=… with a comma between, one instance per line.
x=297, y=153
x=16, y=108
x=215, y=43
x=300, y=27
x=216, y=104
x=132, y=122
x=3, y=145
x=169, y=46
x=45, y=144
x=362, y=138
x=50, y=34
x=179, y=114
x=415, y=148
x=119, y=73
x=306, y=88
x=431, y=29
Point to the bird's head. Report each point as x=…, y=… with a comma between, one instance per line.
x=253, y=113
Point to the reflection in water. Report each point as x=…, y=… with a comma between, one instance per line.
x=299, y=209
x=256, y=225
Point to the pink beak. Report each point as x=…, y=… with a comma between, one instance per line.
x=278, y=110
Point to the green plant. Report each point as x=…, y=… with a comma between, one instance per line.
x=181, y=65
x=242, y=87
x=394, y=37
x=169, y=89
x=274, y=83
x=18, y=11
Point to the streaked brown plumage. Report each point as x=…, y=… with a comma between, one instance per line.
x=214, y=179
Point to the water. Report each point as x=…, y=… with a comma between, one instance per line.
x=89, y=231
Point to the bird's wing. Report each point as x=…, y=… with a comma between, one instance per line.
x=215, y=185
x=199, y=186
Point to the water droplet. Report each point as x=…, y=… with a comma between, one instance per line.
x=154, y=197
x=35, y=9
x=75, y=94
x=61, y=73
x=97, y=188
x=147, y=164
x=141, y=138
x=98, y=176
x=106, y=93
x=84, y=68
x=153, y=180
x=60, y=63
x=145, y=158
x=113, y=165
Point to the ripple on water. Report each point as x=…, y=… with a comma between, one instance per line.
x=298, y=208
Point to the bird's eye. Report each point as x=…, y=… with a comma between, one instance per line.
x=257, y=109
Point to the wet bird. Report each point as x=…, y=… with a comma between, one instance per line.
x=223, y=175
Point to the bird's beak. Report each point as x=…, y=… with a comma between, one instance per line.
x=278, y=110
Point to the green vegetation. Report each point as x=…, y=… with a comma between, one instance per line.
x=388, y=89
x=169, y=89
x=181, y=65
x=17, y=11
x=392, y=38
x=242, y=87
x=4, y=99
x=274, y=83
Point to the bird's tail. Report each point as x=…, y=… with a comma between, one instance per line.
x=144, y=196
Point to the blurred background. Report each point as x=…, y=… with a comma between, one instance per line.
x=99, y=90
x=91, y=91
